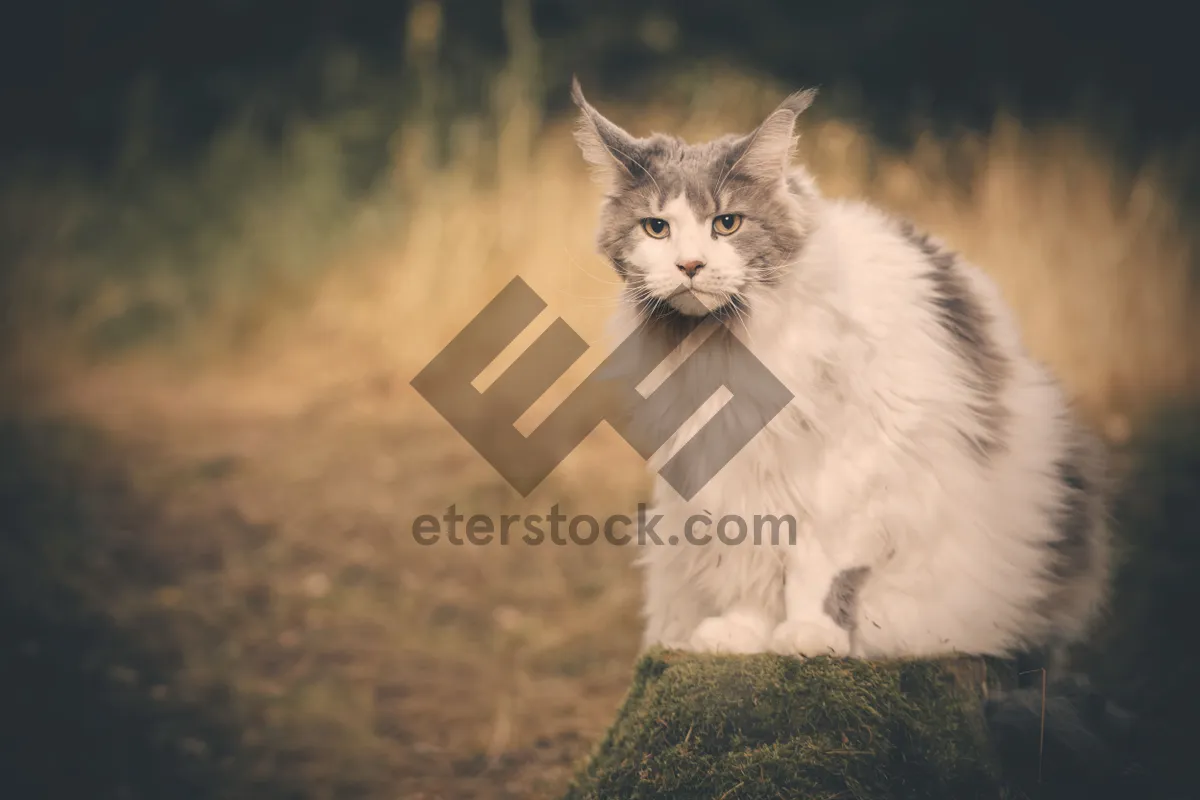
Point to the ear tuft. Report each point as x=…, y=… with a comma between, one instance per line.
x=577, y=94
x=798, y=102
x=769, y=149
x=608, y=148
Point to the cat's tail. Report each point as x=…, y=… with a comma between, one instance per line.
x=1069, y=742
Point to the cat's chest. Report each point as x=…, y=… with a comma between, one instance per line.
x=775, y=472
x=752, y=457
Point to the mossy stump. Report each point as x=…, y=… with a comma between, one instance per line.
x=766, y=726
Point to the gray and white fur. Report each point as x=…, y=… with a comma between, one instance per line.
x=948, y=499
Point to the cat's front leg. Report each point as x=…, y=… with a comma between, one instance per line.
x=752, y=589
x=674, y=605
x=817, y=597
x=711, y=597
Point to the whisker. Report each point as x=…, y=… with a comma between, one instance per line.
x=771, y=269
x=574, y=262
x=744, y=319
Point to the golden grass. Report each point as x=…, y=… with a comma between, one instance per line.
x=1096, y=262
x=1095, y=258
x=500, y=650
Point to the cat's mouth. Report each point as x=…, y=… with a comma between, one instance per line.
x=689, y=305
x=694, y=305
x=694, y=302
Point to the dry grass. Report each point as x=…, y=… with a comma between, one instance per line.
x=289, y=448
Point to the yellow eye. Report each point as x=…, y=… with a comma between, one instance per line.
x=727, y=224
x=656, y=228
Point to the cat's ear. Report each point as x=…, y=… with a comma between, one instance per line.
x=768, y=150
x=609, y=149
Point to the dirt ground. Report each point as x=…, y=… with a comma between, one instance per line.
x=203, y=597
x=210, y=587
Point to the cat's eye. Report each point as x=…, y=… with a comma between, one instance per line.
x=656, y=228
x=727, y=224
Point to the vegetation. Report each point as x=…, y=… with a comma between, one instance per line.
x=766, y=726
x=213, y=459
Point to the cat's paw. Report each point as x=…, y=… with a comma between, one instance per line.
x=809, y=639
x=729, y=634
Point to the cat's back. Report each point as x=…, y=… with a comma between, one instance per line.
x=878, y=285
x=881, y=276
x=899, y=283
x=894, y=274
x=921, y=323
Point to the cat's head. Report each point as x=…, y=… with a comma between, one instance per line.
x=694, y=230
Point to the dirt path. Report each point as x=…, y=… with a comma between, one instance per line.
x=203, y=602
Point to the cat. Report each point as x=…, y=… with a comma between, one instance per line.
x=948, y=499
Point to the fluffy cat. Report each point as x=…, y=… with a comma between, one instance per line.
x=946, y=498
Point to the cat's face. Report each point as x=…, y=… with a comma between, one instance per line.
x=692, y=229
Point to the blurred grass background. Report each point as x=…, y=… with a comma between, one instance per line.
x=232, y=235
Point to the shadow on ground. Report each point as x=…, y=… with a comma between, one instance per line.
x=1147, y=658
x=84, y=710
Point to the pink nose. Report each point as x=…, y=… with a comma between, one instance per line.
x=690, y=268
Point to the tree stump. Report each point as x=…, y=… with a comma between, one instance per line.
x=767, y=726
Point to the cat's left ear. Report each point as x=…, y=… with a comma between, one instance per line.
x=768, y=150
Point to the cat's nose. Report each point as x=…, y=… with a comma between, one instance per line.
x=690, y=268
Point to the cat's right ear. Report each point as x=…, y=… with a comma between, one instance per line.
x=609, y=149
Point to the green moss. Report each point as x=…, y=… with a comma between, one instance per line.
x=706, y=726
